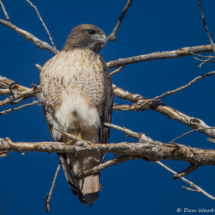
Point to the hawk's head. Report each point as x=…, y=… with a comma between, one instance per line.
x=86, y=36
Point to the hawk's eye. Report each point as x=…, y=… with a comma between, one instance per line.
x=91, y=32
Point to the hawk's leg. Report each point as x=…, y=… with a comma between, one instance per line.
x=79, y=137
x=71, y=142
x=79, y=134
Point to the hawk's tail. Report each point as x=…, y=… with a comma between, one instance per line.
x=86, y=188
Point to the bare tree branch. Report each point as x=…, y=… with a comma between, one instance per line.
x=182, y=52
x=205, y=26
x=158, y=106
x=144, y=139
x=37, y=42
x=112, y=36
x=20, y=107
x=48, y=196
x=180, y=88
x=197, y=188
x=4, y=11
x=38, y=14
x=150, y=151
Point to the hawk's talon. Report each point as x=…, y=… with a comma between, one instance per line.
x=71, y=142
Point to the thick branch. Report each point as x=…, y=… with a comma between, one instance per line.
x=148, y=151
x=183, y=52
x=37, y=42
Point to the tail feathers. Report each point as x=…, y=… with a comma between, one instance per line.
x=86, y=189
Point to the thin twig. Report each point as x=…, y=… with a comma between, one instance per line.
x=37, y=42
x=38, y=14
x=140, y=136
x=190, y=189
x=18, y=108
x=205, y=26
x=204, y=61
x=117, y=70
x=48, y=195
x=112, y=36
x=200, y=190
x=202, y=55
x=125, y=130
x=4, y=11
x=199, y=129
x=180, y=88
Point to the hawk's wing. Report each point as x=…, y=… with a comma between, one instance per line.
x=70, y=177
x=107, y=108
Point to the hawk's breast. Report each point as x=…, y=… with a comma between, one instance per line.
x=72, y=83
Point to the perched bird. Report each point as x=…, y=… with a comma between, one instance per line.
x=77, y=98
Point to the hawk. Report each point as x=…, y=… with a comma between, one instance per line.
x=77, y=98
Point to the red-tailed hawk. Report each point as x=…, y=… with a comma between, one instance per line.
x=77, y=99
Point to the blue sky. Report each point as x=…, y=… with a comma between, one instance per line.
x=134, y=187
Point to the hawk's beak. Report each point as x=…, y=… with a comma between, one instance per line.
x=103, y=40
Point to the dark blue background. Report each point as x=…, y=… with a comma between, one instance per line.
x=134, y=187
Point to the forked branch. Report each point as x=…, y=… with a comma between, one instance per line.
x=37, y=42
